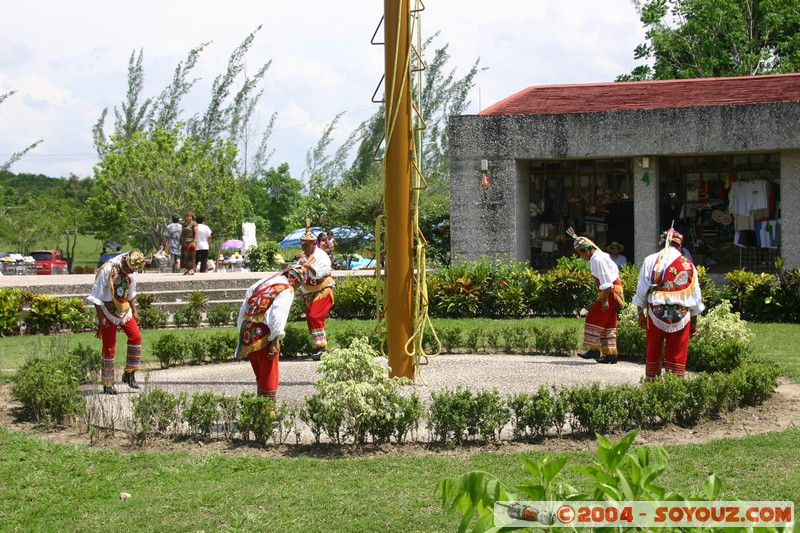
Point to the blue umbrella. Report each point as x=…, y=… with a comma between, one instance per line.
x=349, y=233
x=293, y=239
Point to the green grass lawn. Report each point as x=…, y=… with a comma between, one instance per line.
x=59, y=487
x=56, y=487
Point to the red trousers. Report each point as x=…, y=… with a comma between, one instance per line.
x=266, y=370
x=109, y=337
x=600, y=327
x=674, y=347
x=316, y=313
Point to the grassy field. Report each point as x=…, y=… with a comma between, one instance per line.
x=87, y=249
x=59, y=487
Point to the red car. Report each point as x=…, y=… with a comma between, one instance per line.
x=49, y=262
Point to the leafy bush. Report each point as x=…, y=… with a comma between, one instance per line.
x=787, y=295
x=220, y=346
x=201, y=413
x=170, y=349
x=144, y=301
x=459, y=414
x=76, y=316
x=221, y=315
x=631, y=339
x=256, y=417
x=46, y=314
x=722, y=341
x=751, y=295
x=297, y=341
x=261, y=258
x=152, y=318
x=450, y=338
x=156, y=411
x=47, y=386
x=532, y=415
x=187, y=316
x=356, y=297
x=351, y=331
x=88, y=362
x=11, y=301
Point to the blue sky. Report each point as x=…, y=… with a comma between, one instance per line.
x=68, y=60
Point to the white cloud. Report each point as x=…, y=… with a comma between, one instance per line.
x=68, y=60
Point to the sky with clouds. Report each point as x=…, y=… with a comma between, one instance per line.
x=67, y=61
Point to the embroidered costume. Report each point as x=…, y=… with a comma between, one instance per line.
x=668, y=296
x=112, y=295
x=261, y=322
x=317, y=291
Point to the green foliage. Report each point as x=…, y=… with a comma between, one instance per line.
x=144, y=301
x=197, y=300
x=455, y=415
x=220, y=346
x=87, y=360
x=274, y=196
x=631, y=339
x=705, y=39
x=201, y=413
x=152, y=318
x=751, y=295
x=565, y=290
x=187, y=316
x=787, y=295
x=51, y=314
x=47, y=386
x=722, y=341
x=356, y=297
x=350, y=332
x=297, y=341
x=534, y=415
x=155, y=410
x=356, y=396
x=261, y=258
x=170, y=349
x=221, y=315
x=256, y=417
x=11, y=301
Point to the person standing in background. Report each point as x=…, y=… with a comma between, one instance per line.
x=615, y=250
x=172, y=240
x=203, y=243
x=669, y=299
x=188, y=243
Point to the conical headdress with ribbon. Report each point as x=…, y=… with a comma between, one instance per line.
x=578, y=242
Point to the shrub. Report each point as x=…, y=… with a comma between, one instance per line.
x=88, y=362
x=144, y=301
x=356, y=297
x=751, y=295
x=221, y=315
x=156, y=410
x=261, y=258
x=256, y=416
x=450, y=338
x=297, y=341
x=170, y=349
x=722, y=341
x=757, y=381
x=187, y=316
x=459, y=414
x=631, y=339
x=221, y=345
x=474, y=340
x=196, y=349
x=45, y=314
x=47, y=386
x=532, y=414
x=787, y=295
x=201, y=413
x=76, y=316
x=351, y=331
x=152, y=318
x=11, y=301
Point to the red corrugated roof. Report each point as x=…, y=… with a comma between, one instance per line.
x=662, y=94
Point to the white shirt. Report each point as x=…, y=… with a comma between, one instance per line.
x=321, y=265
x=620, y=260
x=278, y=312
x=101, y=291
x=604, y=269
x=693, y=302
x=203, y=233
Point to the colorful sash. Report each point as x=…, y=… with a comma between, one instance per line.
x=119, y=282
x=668, y=290
x=254, y=335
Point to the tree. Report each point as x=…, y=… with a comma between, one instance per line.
x=228, y=116
x=141, y=179
x=717, y=38
x=274, y=201
x=16, y=156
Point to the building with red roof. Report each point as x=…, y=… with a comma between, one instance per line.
x=717, y=157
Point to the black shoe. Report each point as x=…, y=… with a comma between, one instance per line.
x=590, y=354
x=317, y=355
x=608, y=360
x=110, y=390
x=130, y=379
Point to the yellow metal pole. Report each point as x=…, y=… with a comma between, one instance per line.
x=397, y=189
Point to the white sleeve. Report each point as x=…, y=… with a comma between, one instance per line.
x=606, y=271
x=100, y=291
x=278, y=314
x=643, y=283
